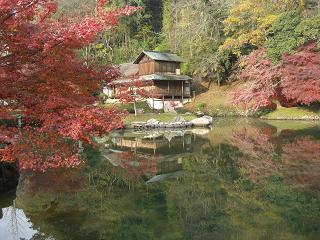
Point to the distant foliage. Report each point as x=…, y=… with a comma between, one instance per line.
x=294, y=81
x=289, y=32
x=194, y=30
x=247, y=25
x=131, y=36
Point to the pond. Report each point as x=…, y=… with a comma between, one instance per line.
x=242, y=179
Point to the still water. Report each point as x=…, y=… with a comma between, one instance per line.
x=243, y=179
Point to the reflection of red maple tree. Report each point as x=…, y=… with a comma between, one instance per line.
x=301, y=162
x=258, y=151
x=137, y=164
x=53, y=180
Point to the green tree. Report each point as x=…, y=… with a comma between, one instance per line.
x=289, y=32
x=194, y=30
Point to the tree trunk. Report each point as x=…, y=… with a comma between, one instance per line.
x=80, y=147
x=135, y=108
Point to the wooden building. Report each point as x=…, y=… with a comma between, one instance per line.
x=162, y=74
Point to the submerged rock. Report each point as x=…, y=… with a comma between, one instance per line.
x=200, y=131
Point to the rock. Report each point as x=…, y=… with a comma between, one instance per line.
x=200, y=122
x=188, y=113
x=140, y=110
x=179, y=119
x=199, y=114
x=152, y=121
x=209, y=118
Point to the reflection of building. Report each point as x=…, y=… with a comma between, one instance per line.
x=163, y=142
x=159, y=153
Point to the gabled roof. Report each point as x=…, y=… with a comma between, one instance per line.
x=159, y=56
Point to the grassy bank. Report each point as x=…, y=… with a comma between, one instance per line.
x=216, y=102
x=294, y=113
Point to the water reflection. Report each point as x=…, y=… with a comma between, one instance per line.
x=153, y=155
x=242, y=180
x=15, y=225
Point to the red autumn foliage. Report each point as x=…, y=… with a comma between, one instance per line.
x=132, y=90
x=42, y=151
x=42, y=78
x=81, y=124
x=301, y=75
x=294, y=81
x=8, y=135
x=264, y=86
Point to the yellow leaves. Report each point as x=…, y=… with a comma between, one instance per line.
x=247, y=23
x=229, y=44
x=266, y=22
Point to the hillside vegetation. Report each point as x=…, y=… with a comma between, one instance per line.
x=270, y=46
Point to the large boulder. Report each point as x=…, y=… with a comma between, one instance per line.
x=210, y=119
x=200, y=122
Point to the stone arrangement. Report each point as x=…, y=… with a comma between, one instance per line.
x=178, y=122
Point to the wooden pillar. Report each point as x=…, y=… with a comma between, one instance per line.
x=153, y=96
x=182, y=91
x=163, y=102
x=168, y=87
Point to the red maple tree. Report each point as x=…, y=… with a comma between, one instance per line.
x=133, y=90
x=294, y=81
x=43, y=80
x=301, y=75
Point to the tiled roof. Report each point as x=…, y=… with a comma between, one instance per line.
x=159, y=56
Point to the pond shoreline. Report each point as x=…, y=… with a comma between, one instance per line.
x=167, y=118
